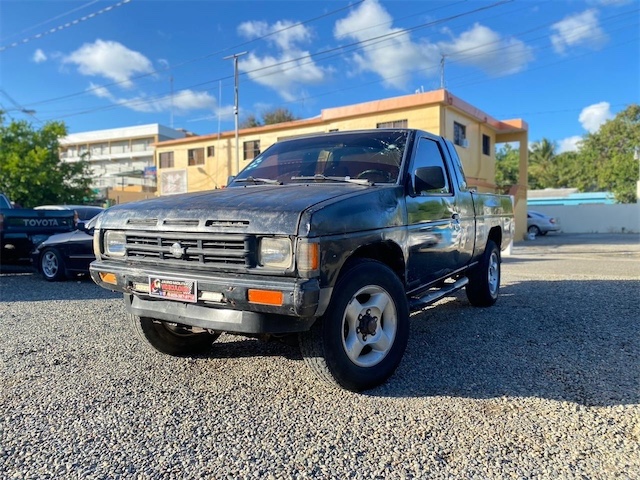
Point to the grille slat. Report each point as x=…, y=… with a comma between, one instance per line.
x=201, y=249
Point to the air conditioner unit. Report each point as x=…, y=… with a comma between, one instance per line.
x=464, y=143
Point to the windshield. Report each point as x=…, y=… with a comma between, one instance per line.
x=370, y=157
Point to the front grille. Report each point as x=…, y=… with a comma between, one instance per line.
x=199, y=249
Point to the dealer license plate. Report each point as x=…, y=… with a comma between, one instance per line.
x=173, y=289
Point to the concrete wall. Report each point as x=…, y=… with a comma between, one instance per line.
x=619, y=218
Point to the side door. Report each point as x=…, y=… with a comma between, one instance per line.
x=435, y=234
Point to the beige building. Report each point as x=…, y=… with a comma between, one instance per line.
x=205, y=162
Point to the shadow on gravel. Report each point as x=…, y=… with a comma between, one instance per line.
x=576, y=341
x=23, y=284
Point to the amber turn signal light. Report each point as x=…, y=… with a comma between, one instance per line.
x=109, y=278
x=266, y=297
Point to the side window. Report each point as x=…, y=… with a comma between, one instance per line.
x=429, y=173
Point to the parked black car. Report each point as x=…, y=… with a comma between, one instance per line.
x=83, y=213
x=66, y=255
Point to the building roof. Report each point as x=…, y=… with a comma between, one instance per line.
x=442, y=97
x=121, y=133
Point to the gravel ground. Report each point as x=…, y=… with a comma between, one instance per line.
x=545, y=384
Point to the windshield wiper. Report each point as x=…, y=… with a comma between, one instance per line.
x=320, y=177
x=258, y=180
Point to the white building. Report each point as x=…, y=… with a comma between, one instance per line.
x=121, y=159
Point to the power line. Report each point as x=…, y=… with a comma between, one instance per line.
x=50, y=20
x=63, y=27
x=192, y=60
x=356, y=46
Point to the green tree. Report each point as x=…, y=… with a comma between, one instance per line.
x=269, y=117
x=542, y=172
x=507, y=167
x=609, y=155
x=250, y=122
x=31, y=172
x=278, y=115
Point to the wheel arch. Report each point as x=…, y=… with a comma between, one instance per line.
x=386, y=252
x=495, y=234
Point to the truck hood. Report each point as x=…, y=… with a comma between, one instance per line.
x=275, y=209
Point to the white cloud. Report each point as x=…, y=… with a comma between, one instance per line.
x=569, y=144
x=183, y=101
x=398, y=56
x=484, y=48
x=581, y=29
x=393, y=58
x=281, y=72
x=284, y=33
x=110, y=60
x=593, y=116
x=39, y=56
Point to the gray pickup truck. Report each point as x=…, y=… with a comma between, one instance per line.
x=334, y=238
x=21, y=229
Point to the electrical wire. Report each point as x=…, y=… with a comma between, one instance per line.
x=356, y=45
x=49, y=20
x=64, y=26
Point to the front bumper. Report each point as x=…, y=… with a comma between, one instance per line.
x=303, y=299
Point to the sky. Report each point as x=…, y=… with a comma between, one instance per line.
x=564, y=66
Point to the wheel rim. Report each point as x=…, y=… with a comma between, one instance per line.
x=369, y=326
x=494, y=274
x=50, y=264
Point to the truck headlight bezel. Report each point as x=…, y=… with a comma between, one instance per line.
x=115, y=243
x=275, y=252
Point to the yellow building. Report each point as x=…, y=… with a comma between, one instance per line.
x=205, y=162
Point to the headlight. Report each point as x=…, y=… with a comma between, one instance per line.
x=114, y=243
x=275, y=252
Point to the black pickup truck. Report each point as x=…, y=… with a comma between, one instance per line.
x=332, y=237
x=21, y=229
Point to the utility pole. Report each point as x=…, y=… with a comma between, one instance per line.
x=442, y=71
x=171, y=97
x=235, y=104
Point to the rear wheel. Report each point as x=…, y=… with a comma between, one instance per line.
x=534, y=229
x=52, y=265
x=484, y=279
x=172, y=338
x=360, y=340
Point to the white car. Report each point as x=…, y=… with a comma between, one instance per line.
x=541, y=224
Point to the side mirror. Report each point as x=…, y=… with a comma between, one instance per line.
x=429, y=180
x=230, y=179
x=81, y=226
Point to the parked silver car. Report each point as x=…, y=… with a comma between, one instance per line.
x=541, y=224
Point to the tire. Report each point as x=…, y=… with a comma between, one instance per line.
x=484, y=279
x=534, y=229
x=360, y=340
x=173, y=339
x=52, y=265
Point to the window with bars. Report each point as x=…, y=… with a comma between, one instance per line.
x=460, y=134
x=166, y=160
x=195, y=156
x=251, y=149
x=394, y=124
x=211, y=151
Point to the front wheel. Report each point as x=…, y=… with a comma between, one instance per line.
x=52, y=265
x=171, y=338
x=484, y=279
x=360, y=340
